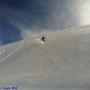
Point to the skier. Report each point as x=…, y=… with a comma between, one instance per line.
x=43, y=39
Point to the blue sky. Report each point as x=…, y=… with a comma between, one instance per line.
x=19, y=16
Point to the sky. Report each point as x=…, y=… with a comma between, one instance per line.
x=24, y=18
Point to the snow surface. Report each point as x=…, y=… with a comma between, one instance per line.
x=63, y=62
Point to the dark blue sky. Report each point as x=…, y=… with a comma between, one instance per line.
x=44, y=13
x=37, y=15
x=19, y=4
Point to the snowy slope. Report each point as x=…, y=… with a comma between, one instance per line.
x=62, y=62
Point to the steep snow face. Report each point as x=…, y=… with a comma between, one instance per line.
x=62, y=62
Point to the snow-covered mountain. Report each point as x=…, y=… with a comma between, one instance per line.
x=63, y=62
